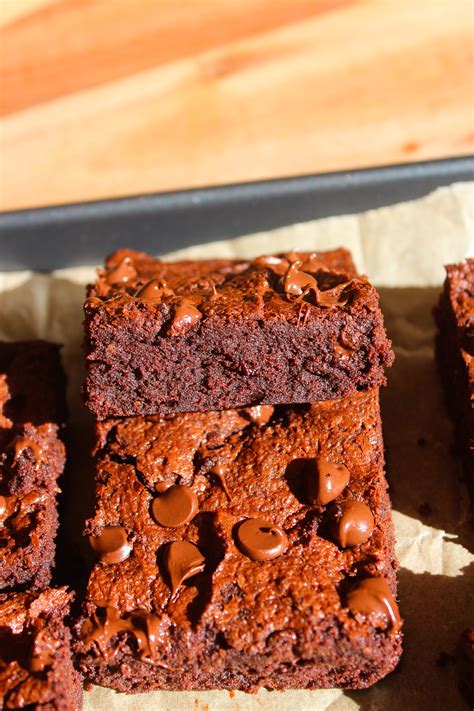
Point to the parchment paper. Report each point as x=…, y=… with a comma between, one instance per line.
x=402, y=249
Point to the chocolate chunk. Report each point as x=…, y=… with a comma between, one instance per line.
x=354, y=523
x=185, y=316
x=122, y=273
x=261, y=540
x=260, y=414
x=325, y=481
x=175, y=506
x=153, y=291
x=112, y=545
x=183, y=560
x=295, y=282
x=373, y=597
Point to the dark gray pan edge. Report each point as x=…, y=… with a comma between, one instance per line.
x=54, y=237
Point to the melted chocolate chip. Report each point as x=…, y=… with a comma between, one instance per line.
x=261, y=540
x=353, y=524
x=183, y=560
x=101, y=631
x=185, y=316
x=112, y=545
x=295, y=282
x=219, y=473
x=334, y=296
x=175, y=506
x=44, y=650
x=278, y=265
x=122, y=273
x=325, y=481
x=3, y=506
x=22, y=443
x=260, y=414
x=153, y=291
x=373, y=597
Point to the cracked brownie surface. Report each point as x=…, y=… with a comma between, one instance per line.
x=240, y=549
x=32, y=416
x=163, y=338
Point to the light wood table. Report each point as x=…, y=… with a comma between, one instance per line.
x=103, y=98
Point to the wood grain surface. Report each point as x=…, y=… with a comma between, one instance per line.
x=103, y=98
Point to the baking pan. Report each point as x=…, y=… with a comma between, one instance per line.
x=70, y=235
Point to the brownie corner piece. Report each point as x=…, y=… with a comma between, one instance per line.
x=242, y=549
x=210, y=335
x=32, y=457
x=36, y=668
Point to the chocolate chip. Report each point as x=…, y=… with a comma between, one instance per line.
x=185, y=316
x=123, y=272
x=279, y=265
x=183, y=560
x=112, y=545
x=294, y=281
x=3, y=506
x=153, y=291
x=373, y=597
x=353, y=523
x=261, y=540
x=175, y=506
x=325, y=481
x=260, y=414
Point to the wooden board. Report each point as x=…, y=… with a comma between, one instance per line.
x=103, y=98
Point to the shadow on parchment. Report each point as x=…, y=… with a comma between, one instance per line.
x=436, y=609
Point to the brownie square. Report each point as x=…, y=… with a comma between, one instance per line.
x=36, y=669
x=163, y=338
x=32, y=415
x=455, y=353
x=241, y=549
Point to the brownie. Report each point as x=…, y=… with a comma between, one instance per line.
x=465, y=665
x=240, y=549
x=32, y=416
x=455, y=353
x=163, y=338
x=36, y=669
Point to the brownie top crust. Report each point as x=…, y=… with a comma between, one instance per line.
x=289, y=286
x=229, y=532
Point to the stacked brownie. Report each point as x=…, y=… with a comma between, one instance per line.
x=35, y=659
x=242, y=530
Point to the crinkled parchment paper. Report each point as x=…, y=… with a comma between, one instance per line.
x=402, y=249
